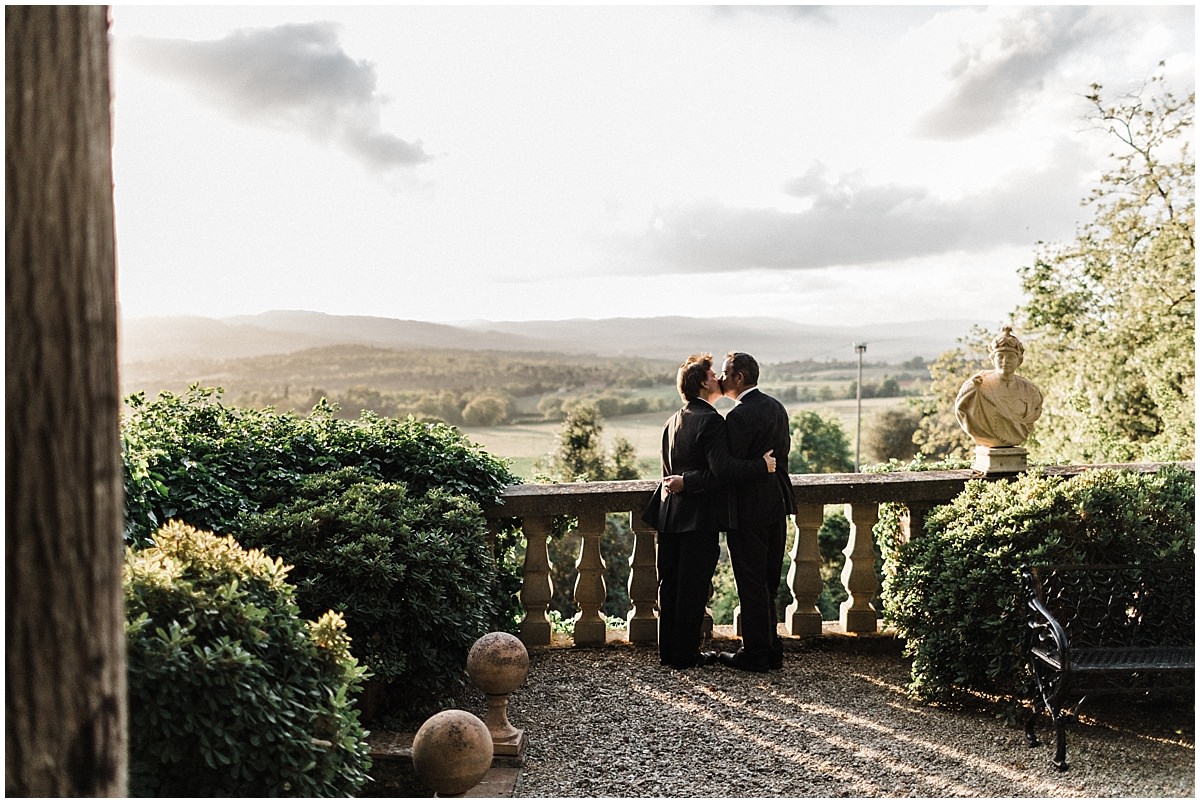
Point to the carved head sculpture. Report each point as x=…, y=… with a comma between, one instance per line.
x=1006, y=352
x=1006, y=341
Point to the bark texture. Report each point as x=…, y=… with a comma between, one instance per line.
x=64, y=626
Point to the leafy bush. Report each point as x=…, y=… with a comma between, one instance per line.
x=955, y=594
x=403, y=555
x=887, y=532
x=193, y=458
x=230, y=692
x=413, y=572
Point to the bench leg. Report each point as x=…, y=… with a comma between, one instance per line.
x=1051, y=687
x=1060, y=741
x=1030, y=724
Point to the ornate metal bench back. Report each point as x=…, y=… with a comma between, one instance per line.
x=1119, y=605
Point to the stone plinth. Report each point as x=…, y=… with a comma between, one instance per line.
x=1000, y=460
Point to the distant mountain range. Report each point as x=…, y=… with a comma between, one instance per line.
x=673, y=338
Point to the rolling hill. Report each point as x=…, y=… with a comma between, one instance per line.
x=672, y=338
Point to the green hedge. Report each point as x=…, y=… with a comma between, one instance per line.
x=191, y=457
x=380, y=518
x=230, y=692
x=955, y=594
x=413, y=572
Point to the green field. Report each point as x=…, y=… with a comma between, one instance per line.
x=440, y=384
x=522, y=444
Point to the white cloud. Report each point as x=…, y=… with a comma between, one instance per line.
x=848, y=221
x=287, y=76
x=450, y=162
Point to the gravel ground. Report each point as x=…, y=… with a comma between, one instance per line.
x=835, y=722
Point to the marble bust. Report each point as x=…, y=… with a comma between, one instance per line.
x=997, y=408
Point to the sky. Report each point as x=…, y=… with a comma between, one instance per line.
x=831, y=165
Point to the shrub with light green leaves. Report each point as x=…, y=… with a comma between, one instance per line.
x=955, y=594
x=231, y=693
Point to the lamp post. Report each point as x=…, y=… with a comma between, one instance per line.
x=859, y=348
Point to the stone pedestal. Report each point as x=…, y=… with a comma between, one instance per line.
x=498, y=664
x=1000, y=460
x=506, y=739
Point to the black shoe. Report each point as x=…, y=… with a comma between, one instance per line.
x=776, y=662
x=739, y=660
x=701, y=659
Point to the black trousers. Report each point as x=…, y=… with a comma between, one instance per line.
x=757, y=558
x=686, y=562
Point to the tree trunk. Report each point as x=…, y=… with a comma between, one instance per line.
x=64, y=625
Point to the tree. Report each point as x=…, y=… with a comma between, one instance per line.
x=890, y=436
x=580, y=456
x=938, y=434
x=889, y=388
x=550, y=407
x=1110, y=319
x=487, y=410
x=64, y=657
x=819, y=445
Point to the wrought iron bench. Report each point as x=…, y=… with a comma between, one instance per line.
x=1099, y=630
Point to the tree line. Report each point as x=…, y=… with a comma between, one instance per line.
x=480, y=388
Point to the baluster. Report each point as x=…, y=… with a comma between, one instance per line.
x=804, y=576
x=858, y=575
x=912, y=521
x=643, y=584
x=590, y=592
x=536, y=585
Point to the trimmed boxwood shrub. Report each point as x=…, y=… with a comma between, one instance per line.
x=414, y=570
x=230, y=692
x=955, y=595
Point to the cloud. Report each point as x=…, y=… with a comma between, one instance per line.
x=294, y=76
x=849, y=222
x=810, y=13
x=995, y=74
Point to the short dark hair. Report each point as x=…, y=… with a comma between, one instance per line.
x=742, y=363
x=692, y=374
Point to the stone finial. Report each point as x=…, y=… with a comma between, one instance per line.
x=451, y=752
x=498, y=664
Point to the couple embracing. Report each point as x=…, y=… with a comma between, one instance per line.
x=722, y=474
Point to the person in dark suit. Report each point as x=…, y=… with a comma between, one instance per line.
x=757, y=423
x=689, y=522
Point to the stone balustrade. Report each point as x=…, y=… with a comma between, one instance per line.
x=536, y=505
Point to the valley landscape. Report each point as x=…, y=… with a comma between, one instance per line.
x=520, y=373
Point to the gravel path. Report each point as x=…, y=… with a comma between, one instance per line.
x=611, y=722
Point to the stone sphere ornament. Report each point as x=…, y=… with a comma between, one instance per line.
x=498, y=664
x=451, y=752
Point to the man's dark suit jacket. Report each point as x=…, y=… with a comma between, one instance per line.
x=755, y=424
x=695, y=445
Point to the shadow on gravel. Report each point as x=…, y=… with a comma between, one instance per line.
x=835, y=722
x=612, y=722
